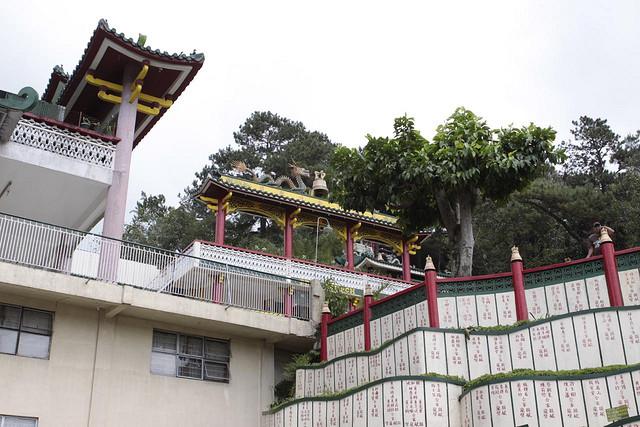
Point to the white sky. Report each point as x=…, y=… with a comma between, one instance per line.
x=347, y=68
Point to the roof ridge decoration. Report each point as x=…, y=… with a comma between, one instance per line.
x=58, y=75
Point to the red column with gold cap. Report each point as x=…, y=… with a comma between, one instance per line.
x=610, y=268
x=324, y=331
x=366, y=316
x=517, y=278
x=221, y=217
x=432, y=292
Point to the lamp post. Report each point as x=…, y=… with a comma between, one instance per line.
x=328, y=227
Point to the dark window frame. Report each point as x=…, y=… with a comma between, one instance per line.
x=22, y=329
x=218, y=360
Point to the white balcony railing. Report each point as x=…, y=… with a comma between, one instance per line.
x=64, y=142
x=76, y=253
x=293, y=268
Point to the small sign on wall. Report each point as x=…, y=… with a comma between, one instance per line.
x=617, y=413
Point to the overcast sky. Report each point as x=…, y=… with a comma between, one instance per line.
x=347, y=68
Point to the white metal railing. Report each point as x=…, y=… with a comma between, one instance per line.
x=292, y=268
x=73, y=252
x=64, y=142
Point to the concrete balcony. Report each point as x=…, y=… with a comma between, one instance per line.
x=55, y=172
x=46, y=261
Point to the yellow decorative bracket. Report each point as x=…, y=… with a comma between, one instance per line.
x=354, y=230
x=293, y=216
x=114, y=99
x=412, y=247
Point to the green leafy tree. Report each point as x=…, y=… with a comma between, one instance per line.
x=590, y=152
x=422, y=182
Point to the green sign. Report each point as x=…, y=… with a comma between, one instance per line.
x=617, y=413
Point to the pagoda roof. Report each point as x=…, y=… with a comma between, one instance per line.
x=106, y=56
x=213, y=185
x=58, y=76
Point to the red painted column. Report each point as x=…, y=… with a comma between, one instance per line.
x=517, y=278
x=221, y=217
x=610, y=269
x=366, y=317
x=349, y=249
x=288, y=233
x=324, y=330
x=406, y=262
x=432, y=292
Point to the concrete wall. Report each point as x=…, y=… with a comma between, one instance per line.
x=98, y=374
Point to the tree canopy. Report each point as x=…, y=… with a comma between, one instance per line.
x=438, y=183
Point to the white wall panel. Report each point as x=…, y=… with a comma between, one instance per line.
x=621, y=392
x=499, y=353
x=506, y=304
x=386, y=328
x=291, y=416
x=610, y=339
x=329, y=382
x=549, y=414
x=410, y=320
x=351, y=371
x=320, y=414
x=456, y=355
x=398, y=323
x=542, y=344
x=467, y=315
x=318, y=381
x=358, y=333
x=339, y=337
x=360, y=409
x=413, y=403
x=521, y=349
x=576, y=295
x=556, y=299
x=388, y=362
x=363, y=369
x=422, y=314
x=630, y=324
x=349, y=341
x=331, y=347
x=501, y=408
x=333, y=413
x=480, y=407
x=299, y=383
x=587, y=338
x=305, y=414
x=346, y=411
x=524, y=403
x=309, y=382
x=447, y=312
x=564, y=341
x=375, y=406
x=630, y=286
x=376, y=335
x=435, y=354
x=487, y=312
x=573, y=410
x=596, y=400
x=401, y=356
x=417, y=363
x=536, y=303
x=597, y=292
x=466, y=411
x=392, y=403
x=436, y=404
x=478, y=356
x=375, y=366
x=340, y=375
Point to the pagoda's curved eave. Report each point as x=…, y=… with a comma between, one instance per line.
x=281, y=196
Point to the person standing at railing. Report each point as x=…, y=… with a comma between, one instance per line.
x=594, y=238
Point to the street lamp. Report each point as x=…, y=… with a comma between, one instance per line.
x=326, y=228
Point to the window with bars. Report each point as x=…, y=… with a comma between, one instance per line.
x=188, y=356
x=25, y=331
x=9, y=421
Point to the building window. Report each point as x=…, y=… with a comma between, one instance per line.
x=188, y=356
x=25, y=331
x=8, y=421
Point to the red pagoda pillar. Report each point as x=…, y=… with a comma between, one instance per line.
x=517, y=278
x=610, y=269
x=289, y=220
x=349, y=249
x=324, y=331
x=366, y=316
x=221, y=216
x=432, y=292
x=406, y=261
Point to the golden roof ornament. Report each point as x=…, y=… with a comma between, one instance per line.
x=604, y=235
x=428, y=264
x=515, y=254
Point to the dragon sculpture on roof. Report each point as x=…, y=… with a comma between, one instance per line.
x=297, y=173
